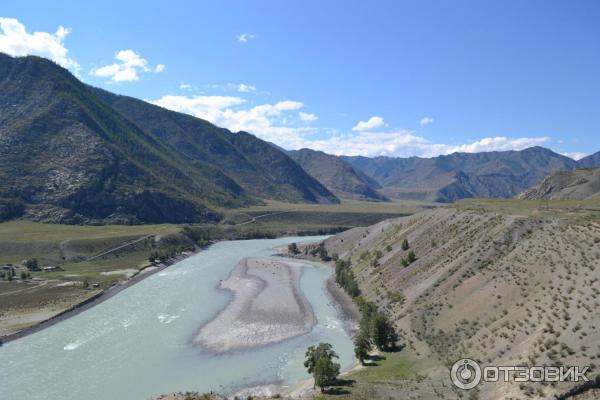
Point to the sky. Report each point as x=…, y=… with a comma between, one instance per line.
x=394, y=78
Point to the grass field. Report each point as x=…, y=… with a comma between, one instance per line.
x=27, y=231
x=378, y=379
x=68, y=246
x=570, y=209
x=399, y=207
x=23, y=303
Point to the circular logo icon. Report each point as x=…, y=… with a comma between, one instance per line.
x=465, y=374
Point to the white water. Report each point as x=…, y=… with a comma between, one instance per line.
x=137, y=344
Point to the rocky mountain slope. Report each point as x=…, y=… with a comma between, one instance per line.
x=260, y=168
x=462, y=175
x=337, y=175
x=70, y=156
x=578, y=184
x=503, y=288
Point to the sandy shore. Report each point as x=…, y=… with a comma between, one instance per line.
x=267, y=307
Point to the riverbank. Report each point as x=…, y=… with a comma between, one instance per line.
x=95, y=299
x=52, y=318
x=301, y=390
x=347, y=312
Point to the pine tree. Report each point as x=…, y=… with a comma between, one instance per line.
x=405, y=245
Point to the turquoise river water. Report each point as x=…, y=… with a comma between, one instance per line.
x=137, y=344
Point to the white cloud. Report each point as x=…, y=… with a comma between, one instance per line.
x=16, y=41
x=575, y=155
x=129, y=64
x=498, y=143
x=245, y=37
x=307, y=117
x=185, y=86
x=267, y=121
x=395, y=143
x=243, y=88
x=425, y=121
x=404, y=143
x=373, y=123
x=270, y=122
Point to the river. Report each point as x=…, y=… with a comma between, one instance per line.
x=137, y=344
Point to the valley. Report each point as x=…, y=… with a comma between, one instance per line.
x=92, y=259
x=211, y=238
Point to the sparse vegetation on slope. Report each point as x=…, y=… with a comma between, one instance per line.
x=491, y=281
x=578, y=184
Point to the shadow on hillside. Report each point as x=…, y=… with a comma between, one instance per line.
x=340, y=387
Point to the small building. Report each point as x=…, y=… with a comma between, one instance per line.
x=51, y=268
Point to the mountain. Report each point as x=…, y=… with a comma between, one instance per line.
x=590, y=161
x=70, y=156
x=337, y=175
x=260, y=168
x=487, y=284
x=578, y=184
x=459, y=175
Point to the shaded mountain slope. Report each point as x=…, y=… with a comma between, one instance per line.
x=593, y=160
x=578, y=184
x=70, y=156
x=63, y=148
x=257, y=166
x=337, y=175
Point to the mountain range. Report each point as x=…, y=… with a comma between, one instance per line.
x=450, y=177
x=73, y=153
x=76, y=154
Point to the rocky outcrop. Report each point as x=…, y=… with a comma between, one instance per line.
x=579, y=184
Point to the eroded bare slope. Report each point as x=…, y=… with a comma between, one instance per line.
x=500, y=288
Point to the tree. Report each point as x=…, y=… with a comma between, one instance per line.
x=325, y=373
x=411, y=257
x=31, y=264
x=382, y=332
x=322, y=252
x=86, y=282
x=362, y=346
x=313, y=354
x=293, y=248
x=23, y=275
x=405, y=245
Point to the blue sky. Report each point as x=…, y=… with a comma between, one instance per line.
x=347, y=77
